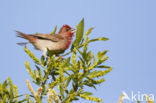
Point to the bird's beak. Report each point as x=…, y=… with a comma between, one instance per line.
x=73, y=30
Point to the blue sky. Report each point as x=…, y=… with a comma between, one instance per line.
x=129, y=24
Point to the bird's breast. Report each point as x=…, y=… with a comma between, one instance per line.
x=52, y=46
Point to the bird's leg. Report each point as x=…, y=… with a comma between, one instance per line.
x=45, y=53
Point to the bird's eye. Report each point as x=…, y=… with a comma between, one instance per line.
x=67, y=29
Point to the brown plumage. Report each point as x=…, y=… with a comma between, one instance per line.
x=56, y=43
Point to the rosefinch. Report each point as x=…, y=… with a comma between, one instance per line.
x=56, y=43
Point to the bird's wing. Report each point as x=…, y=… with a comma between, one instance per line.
x=54, y=37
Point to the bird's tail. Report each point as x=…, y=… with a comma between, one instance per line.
x=21, y=35
x=26, y=36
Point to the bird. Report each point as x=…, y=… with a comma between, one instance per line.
x=55, y=43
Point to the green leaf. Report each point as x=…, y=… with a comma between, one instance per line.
x=39, y=72
x=96, y=74
x=101, y=54
x=92, y=81
x=54, y=83
x=31, y=55
x=87, y=93
x=138, y=101
x=16, y=93
x=53, y=32
x=38, y=79
x=89, y=57
x=66, y=62
x=99, y=81
x=74, y=57
x=29, y=70
x=5, y=84
x=102, y=60
x=1, y=87
x=43, y=61
x=99, y=39
x=104, y=52
x=76, y=98
x=102, y=66
x=11, y=90
x=89, y=31
x=91, y=98
x=84, y=54
x=79, y=33
x=87, y=83
x=61, y=91
x=68, y=80
x=27, y=98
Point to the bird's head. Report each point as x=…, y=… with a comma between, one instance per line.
x=66, y=28
x=67, y=32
